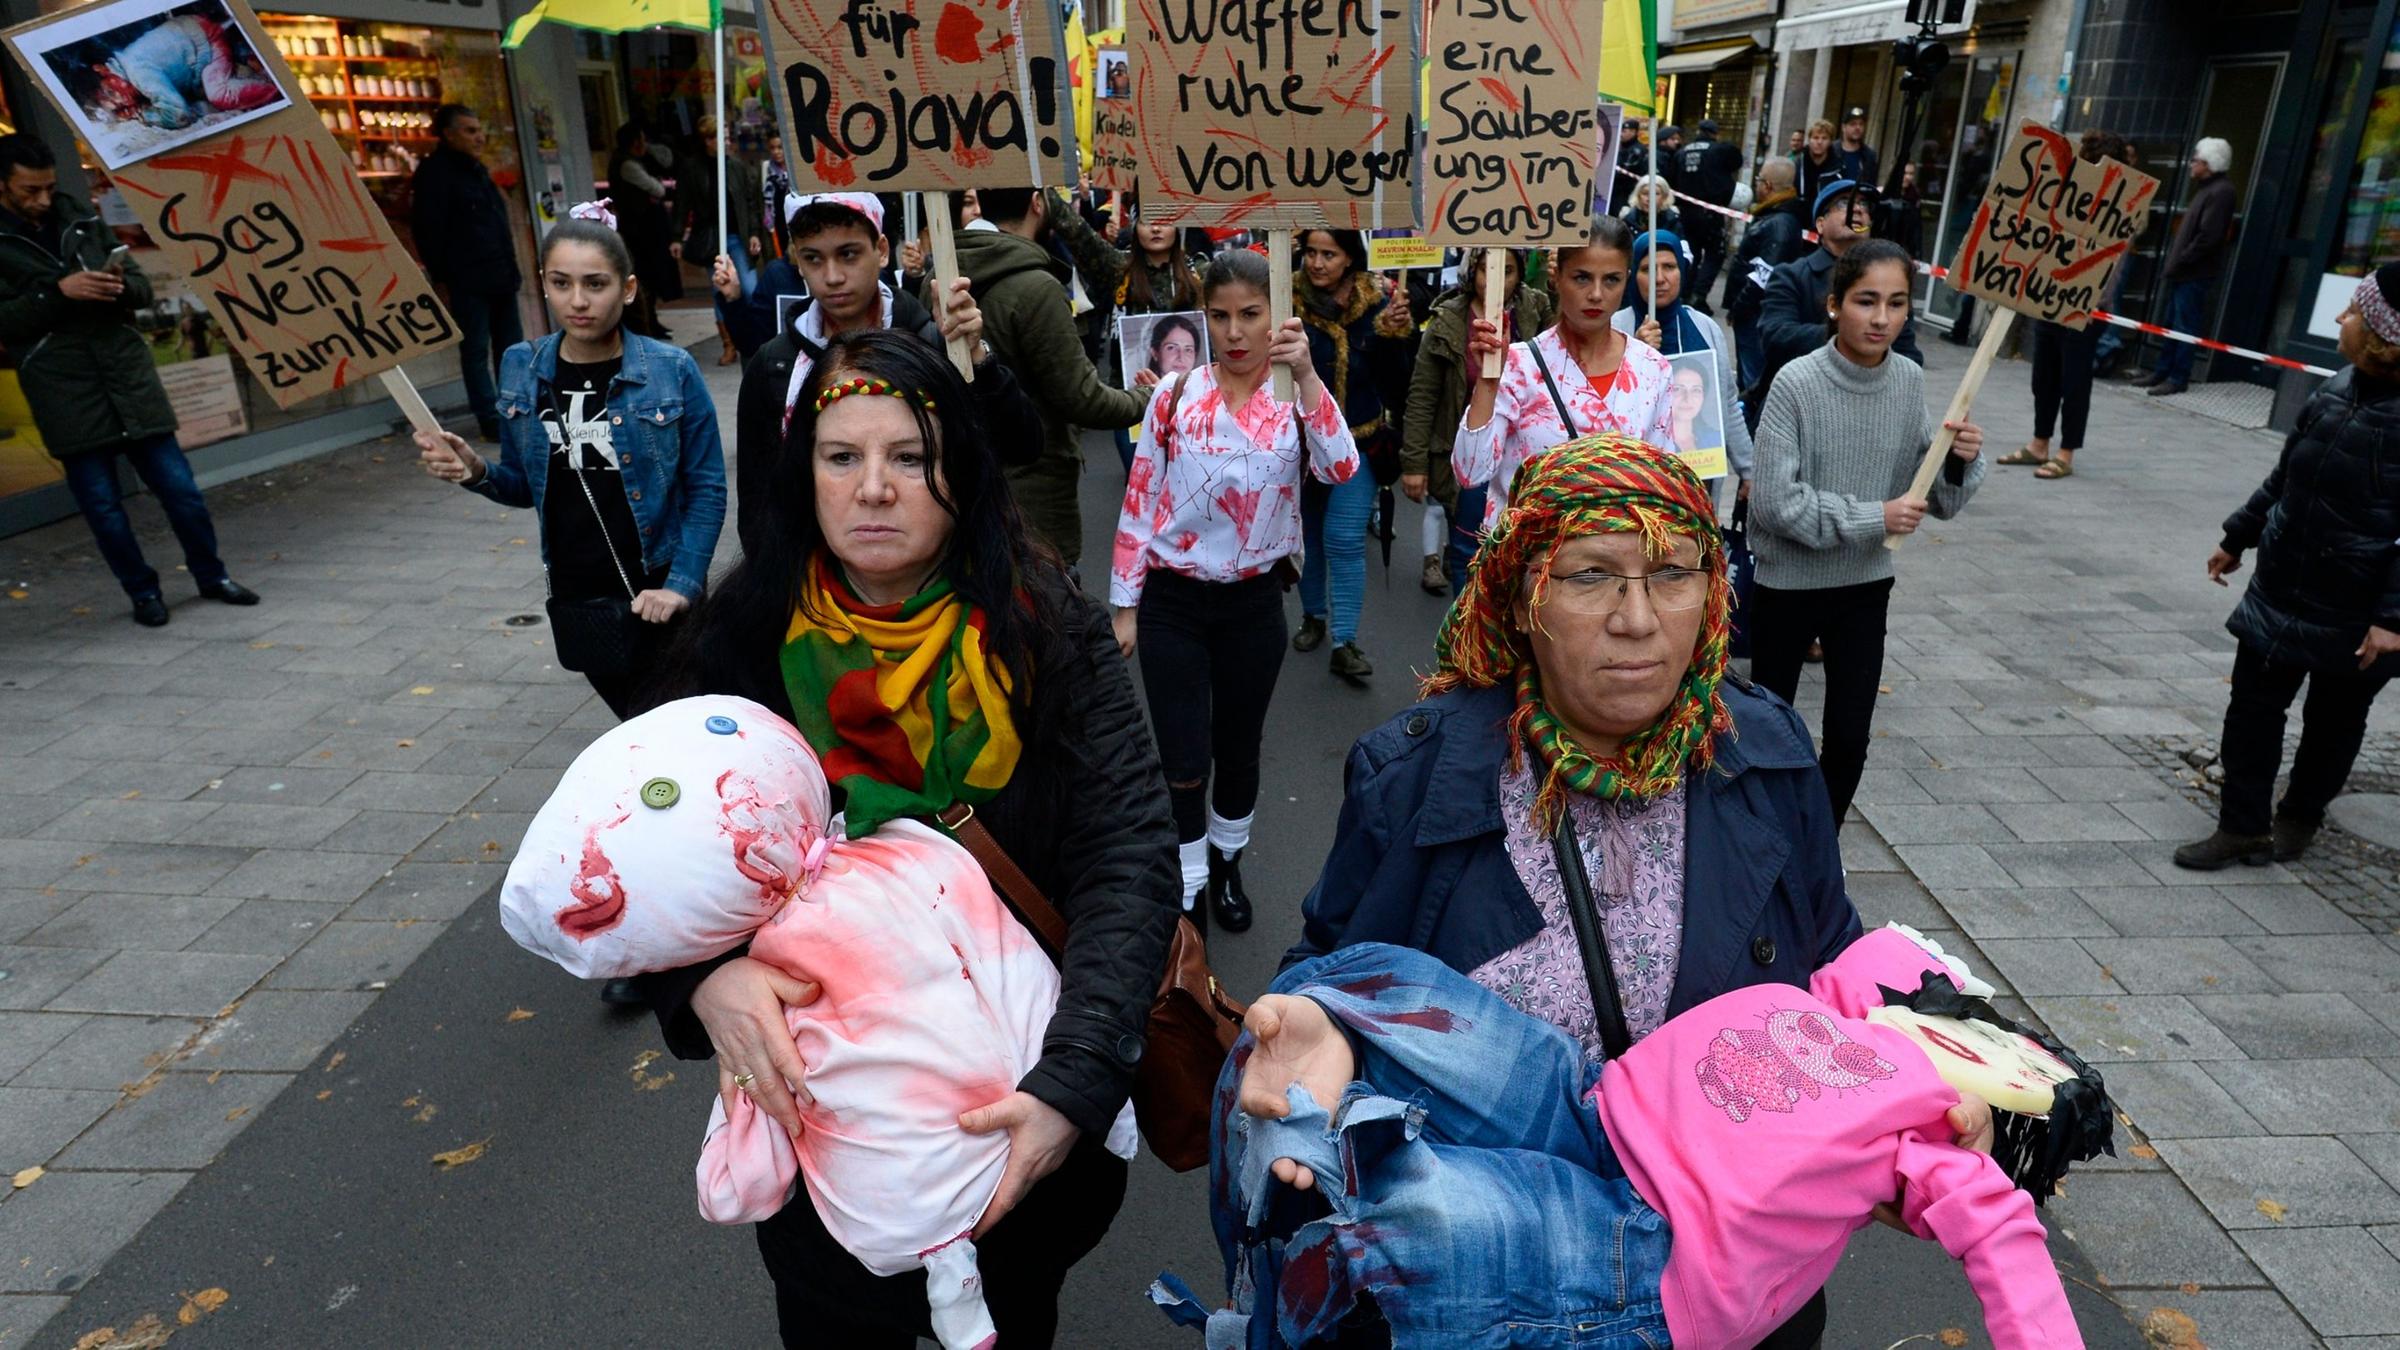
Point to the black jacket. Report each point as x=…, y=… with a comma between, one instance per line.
x=1775, y=238
x=1005, y=411
x=1086, y=817
x=2204, y=236
x=1791, y=320
x=85, y=368
x=2324, y=523
x=461, y=225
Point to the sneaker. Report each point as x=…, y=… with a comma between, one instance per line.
x=150, y=611
x=2221, y=850
x=2167, y=388
x=1225, y=897
x=1434, y=579
x=2292, y=838
x=1311, y=635
x=1350, y=663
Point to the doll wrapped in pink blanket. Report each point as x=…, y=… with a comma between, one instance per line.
x=706, y=823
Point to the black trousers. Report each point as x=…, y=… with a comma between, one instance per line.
x=1210, y=652
x=2062, y=381
x=825, y=1298
x=2333, y=723
x=1850, y=621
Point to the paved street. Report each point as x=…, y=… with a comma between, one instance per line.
x=253, y=984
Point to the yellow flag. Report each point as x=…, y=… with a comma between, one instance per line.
x=615, y=16
x=1629, y=55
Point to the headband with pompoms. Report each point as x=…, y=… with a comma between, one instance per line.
x=868, y=384
x=599, y=212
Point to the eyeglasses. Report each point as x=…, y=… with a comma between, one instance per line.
x=1594, y=593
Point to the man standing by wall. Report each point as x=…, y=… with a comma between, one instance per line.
x=469, y=250
x=65, y=302
x=2203, y=240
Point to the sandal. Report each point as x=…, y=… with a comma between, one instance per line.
x=2024, y=455
x=2055, y=469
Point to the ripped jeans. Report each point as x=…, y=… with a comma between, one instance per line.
x=1464, y=1182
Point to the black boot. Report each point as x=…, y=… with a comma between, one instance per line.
x=2292, y=837
x=1198, y=913
x=1225, y=893
x=2222, y=850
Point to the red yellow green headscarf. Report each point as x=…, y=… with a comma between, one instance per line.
x=1600, y=483
x=901, y=702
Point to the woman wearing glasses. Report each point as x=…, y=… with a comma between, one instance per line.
x=1582, y=710
x=1839, y=441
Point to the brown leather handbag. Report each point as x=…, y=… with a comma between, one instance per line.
x=1193, y=1021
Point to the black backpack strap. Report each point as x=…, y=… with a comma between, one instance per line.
x=1565, y=418
x=1608, y=1007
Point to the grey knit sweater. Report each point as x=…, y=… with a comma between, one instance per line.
x=1836, y=441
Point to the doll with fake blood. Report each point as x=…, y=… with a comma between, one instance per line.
x=704, y=824
x=1393, y=1129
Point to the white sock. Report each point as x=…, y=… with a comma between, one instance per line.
x=1228, y=836
x=1194, y=853
x=1437, y=527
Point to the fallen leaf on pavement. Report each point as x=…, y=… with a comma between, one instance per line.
x=214, y=1075
x=201, y=1305
x=18, y=594
x=2171, y=1329
x=2144, y=1152
x=237, y=1113
x=425, y=1116
x=2272, y=1210
x=422, y=690
x=25, y=1178
x=518, y=1015
x=326, y=1095
x=336, y=1061
x=2189, y=1287
x=149, y=1333
x=461, y=1156
x=130, y=795
x=643, y=1079
x=1953, y=1337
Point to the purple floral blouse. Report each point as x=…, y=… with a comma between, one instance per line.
x=1634, y=854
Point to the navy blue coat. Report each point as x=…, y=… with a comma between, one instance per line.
x=1420, y=858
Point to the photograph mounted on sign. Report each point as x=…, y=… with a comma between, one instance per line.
x=1511, y=150
x=1696, y=411
x=1284, y=120
x=1113, y=167
x=922, y=95
x=1161, y=346
x=2052, y=229
x=141, y=77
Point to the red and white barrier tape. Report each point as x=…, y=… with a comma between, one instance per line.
x=2103, y=316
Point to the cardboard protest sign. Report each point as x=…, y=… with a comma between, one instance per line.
x=1114, y=167
x=1275, y=114
x=268, y=223
x=2052, y=229
x=923, y=95
x=1511, y=148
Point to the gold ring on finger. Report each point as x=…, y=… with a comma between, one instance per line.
x=743, y=1080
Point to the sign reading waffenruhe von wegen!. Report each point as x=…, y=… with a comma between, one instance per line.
x=2052, y=230
x=252, y=199
x=923, y=95
x=1275, y=113
x=1512, y=144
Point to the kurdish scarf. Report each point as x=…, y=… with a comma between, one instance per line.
x=1601, y=483
x=901, y=702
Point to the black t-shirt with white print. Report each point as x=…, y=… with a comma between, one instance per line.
x=576, y=420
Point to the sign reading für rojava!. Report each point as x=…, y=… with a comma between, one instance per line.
x=233, y=175
x=2052, y=229
x=1275, y=114
x=1512, y=143
x=922, y=95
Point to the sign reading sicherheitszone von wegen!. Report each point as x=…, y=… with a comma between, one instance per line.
x=194, y=113
x=2053, y=229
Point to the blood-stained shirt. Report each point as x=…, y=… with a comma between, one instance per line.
x=1216, y=495
x=1525, y=419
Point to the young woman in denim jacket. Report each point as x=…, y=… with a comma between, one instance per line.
x=645, y=429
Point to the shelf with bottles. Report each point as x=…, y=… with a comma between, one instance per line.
x=380, y=123
x=346, y=63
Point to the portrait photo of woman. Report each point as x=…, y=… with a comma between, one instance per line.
x=1160, y=347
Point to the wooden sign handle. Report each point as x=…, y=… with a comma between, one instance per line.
x=1495, y=304
x=1279, y=301
x=1995, y=335
x=945, y=270
x=396, y=383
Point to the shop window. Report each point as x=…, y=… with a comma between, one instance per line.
x=2370, y=221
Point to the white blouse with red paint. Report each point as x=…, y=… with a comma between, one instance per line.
x=1216, y=496
x=1525, y=419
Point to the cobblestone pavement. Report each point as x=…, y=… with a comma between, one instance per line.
x=2054, y=654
